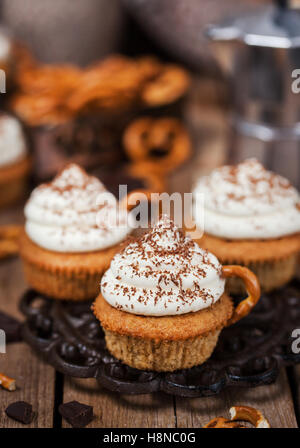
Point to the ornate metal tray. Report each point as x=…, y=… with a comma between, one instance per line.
x=248, y=354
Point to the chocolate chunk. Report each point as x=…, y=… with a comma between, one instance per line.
x=20, y=411
x=11, y=327
x=77, y=414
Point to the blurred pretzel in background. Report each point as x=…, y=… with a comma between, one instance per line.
x=9, y=240
x=51, y=94
x=156, y=145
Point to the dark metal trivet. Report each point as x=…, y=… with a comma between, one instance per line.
x=248, y=354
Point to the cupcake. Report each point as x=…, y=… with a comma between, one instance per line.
x=14, y=160
x=71, y=235
x=251, y=217
x=162, y=303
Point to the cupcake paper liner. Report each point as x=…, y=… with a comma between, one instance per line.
x=65, y=276
x=273, y=261
x=271, y=275
x=62, y=285
x=161, y=356
x=165, y=343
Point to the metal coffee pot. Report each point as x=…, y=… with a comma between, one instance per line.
x=261, y=53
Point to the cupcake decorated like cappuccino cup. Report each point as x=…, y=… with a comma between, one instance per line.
x=162, y=303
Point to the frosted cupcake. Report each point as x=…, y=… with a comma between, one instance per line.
x=251, y=217
x=71, y=235
x=14, y=160
x=162, y=303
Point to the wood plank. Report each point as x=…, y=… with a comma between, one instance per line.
x=113, y=410
x=35, y=380
x=274, y=401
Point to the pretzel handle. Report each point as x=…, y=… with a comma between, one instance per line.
x=252, y=286
x=249, y=414
x=135, y=196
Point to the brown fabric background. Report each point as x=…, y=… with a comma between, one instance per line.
x=66, y=30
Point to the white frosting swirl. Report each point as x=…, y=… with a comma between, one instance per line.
x=12, y=140
x=164, y=273
x=74, y=213
x=247, y=202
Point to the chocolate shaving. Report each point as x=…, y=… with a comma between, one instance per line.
x=166, y=255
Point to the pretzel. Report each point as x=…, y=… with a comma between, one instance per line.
x=149, y=67
x=221, y=422
x=145, y=137
x=7, y=383
x=56, y=93
x=250, y=415
x=52, y=80
x=243, y=413
x=10, y=232
x=8, y=248
x=9, y=236
x=252, y=287
x=167, y=87
x=38, y=110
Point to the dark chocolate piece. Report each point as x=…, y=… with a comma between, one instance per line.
x=77, y=414
x=21, y=412
x=11, y=327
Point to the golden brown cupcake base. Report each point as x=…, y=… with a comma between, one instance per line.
x=13, y=182
x=274, y=261
x=64, y=276
x=163, y=343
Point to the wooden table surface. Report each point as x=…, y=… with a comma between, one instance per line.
x=45, y=389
